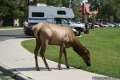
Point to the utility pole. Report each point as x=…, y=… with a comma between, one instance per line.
x=70, y=3
x=26, y=8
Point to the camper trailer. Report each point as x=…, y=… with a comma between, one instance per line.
x=50, y=14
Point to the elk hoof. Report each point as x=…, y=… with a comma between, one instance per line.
x=59, y=67
x=67, y=67
x=49, y=69
x=37, y=68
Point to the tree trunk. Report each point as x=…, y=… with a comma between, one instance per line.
x=111, y=19
x=1, y=22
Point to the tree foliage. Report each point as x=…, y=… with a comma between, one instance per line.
x=12, y=8
x=17, y=8
x=107, y=8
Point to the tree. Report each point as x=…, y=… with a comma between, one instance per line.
x=11, y=9
x=108, y=9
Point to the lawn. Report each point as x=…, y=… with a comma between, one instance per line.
x=104, y=45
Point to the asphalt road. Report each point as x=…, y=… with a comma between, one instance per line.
x=6, y=34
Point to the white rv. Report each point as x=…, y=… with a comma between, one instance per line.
x=50, y=14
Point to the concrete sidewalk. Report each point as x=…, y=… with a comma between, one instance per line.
x=20, y=61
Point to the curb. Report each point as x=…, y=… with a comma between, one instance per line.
x=17, y=75
x=2, y=29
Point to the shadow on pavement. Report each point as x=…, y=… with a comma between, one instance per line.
x=33, y=69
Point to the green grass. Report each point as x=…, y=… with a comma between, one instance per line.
x=104, y=45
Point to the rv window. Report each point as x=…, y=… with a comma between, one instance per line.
x=37, y=14
x=61, y=12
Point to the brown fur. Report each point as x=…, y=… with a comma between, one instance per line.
x=64, y=37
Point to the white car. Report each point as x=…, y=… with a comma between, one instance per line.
x=111, y=25
x=117, y=24
x=78, y=27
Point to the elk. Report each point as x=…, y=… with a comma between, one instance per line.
x=52, y=34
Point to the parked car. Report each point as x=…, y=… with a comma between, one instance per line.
x=117, y=24
x=108, y=24
x=111, y=24
x=78, y=27
x=105, y=25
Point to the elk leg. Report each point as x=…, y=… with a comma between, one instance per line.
x=42, y=52
x=36, y=54
x=66, y=60
x=60, y=56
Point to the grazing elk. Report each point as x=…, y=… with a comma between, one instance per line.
x=46, y=33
